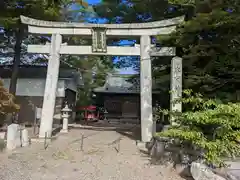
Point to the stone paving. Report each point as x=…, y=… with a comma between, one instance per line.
x=99, y=157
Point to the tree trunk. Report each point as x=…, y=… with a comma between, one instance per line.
x=16, y=61
x=15, y=68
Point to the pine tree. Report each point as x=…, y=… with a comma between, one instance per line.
x=209, y=45
x=10, y=12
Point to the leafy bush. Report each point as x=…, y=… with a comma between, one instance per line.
x=7, y=104
x=208, y=125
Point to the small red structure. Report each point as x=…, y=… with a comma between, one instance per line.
x=90, y=113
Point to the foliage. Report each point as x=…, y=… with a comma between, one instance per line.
x=10, y=11
x=94, y=70
x=209, y=45
x=134, y=11
x=7, y=104
x=208, y=41
x=13, y=41
x=76, y=10
x=209, y=125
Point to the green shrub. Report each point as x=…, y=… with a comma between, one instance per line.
x=208, y=125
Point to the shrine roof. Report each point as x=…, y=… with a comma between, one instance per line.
x=121, y=84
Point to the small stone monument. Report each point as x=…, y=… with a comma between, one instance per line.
x=154, y=127
x=105, y=115
x=65, y=116
x=13, y=136
x=25, y=138
x=2, y=135
x=38, y=115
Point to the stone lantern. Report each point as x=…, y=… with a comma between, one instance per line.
x=65, y=116
x=105, y=115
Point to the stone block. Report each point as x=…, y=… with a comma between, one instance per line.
x=142, y=146
x=25, y=138
x=233, y=170
x=202, y=172
x=183, y=170
x=63, y=131
x=13, y=136
x=2, y=135
x=158, y=149
x=233, y=174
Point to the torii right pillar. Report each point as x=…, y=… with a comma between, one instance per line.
x=148, y=127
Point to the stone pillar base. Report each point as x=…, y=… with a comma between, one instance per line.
x=142, y=146
x=64, y=131
x=41, y=140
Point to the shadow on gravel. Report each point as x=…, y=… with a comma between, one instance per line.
x=130, y=131
x=159, y=156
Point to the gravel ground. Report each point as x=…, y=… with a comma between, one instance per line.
x=100, y=158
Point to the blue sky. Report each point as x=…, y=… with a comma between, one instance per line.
x=93, y=1
x=124, y=42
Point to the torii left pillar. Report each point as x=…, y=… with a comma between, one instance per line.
x=50, y=87
x=147, y=124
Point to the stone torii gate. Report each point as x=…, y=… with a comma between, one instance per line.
x=99, y=33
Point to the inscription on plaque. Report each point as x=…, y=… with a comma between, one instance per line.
x=99, y=40
x=176, y=83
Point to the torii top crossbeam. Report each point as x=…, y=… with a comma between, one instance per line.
x=54, y=24
x=130, y=29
